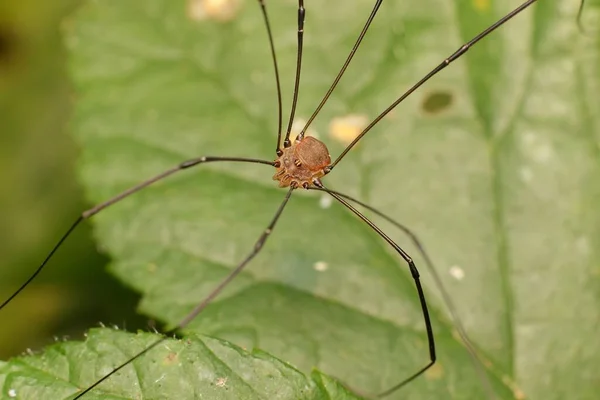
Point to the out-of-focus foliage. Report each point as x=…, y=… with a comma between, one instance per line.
x=39, y=197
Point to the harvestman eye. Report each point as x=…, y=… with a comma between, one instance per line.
x=303, y=163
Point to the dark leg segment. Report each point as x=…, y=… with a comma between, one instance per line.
x=202, y=305
x=438, y=282
x=39, y=269
x=415, y=275
x=301, y=16
x=96, y=209
x=263, y=8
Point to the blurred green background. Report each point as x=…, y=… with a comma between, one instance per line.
x=39, y=196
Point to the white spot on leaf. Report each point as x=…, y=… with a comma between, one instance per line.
x=12, y=393
x=457, y=272
x=325, y=201
x=321, y=266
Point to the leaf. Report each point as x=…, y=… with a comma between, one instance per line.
x=176, y=369
x=501, y=185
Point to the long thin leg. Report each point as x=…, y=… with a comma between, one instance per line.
x=301, y=15
x=202, y=305
x=438, y=282
x=415, y=275
x=343, y=69
x=454, y=56
x=96, y=209
x=277, y=82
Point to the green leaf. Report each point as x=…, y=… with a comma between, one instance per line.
x=501, y=182
x=176, y=369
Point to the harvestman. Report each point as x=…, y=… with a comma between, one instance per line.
x=302, y=164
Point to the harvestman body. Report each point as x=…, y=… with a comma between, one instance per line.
x=302, y=164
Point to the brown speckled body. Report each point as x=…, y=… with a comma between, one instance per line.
x=302, y=162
